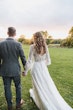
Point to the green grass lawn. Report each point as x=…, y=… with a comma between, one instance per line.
x=61, y=71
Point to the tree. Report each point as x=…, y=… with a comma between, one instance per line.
x=71, y=32
x=69, y=40
x=63, y=43
x=21, y=38
x=46, y=35
x=49, y=37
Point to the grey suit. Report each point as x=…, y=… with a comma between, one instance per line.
x=10, y=51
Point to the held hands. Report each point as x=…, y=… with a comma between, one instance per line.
x=24, y=73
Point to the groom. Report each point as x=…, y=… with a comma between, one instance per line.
x=10, y=51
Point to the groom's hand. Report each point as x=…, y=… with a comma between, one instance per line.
x=23, y=73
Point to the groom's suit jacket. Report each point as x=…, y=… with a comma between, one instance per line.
x=10, y=51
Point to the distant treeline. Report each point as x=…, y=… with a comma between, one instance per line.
x=67, y=42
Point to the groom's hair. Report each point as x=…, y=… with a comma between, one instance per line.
x=11, y=31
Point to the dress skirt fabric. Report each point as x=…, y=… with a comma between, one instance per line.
x=44, y=91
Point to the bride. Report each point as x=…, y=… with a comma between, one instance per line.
x=44, y=92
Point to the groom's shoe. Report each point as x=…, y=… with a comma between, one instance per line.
x=19, y=105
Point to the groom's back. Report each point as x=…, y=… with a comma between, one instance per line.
x=9, y=49
x=9, y=53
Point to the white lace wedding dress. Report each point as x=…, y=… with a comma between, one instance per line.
x=44, y=92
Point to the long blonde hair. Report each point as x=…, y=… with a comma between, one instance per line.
x=39, y=42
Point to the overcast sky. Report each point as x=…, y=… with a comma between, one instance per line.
x=29, y=16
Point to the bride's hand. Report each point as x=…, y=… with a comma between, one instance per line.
x=23, y=73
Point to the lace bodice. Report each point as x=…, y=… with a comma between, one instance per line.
x=37, y=57
x=34, y=57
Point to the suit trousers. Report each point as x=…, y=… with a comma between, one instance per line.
x=7, y=88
